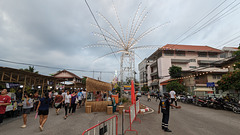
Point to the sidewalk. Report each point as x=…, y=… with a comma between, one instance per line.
x=76, y=124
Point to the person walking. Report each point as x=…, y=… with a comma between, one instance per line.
x=80, y=97
x=164, y=105
x=158, y=96
x=84, y=97
x=43, y=110
x=5, y=100
x=173, y=97
x=67, y=102
x=27, y=105
x=149, y=97
x=58, y=102
x=73, y=102
x=64, y=93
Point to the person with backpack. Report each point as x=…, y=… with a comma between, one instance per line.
x=43, y=110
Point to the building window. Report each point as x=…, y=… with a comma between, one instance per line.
x=223, y=55
x=202, y=54
x=203, y=65
x=180, y=53
x=168, y=53
x=216, y=76
x=192, y=60
x=192, y=67
x=213, y=55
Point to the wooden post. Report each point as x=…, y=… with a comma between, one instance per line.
x=34, y=83
x=2, y=76
x=55, y=84
x=24, y=85
x=11, y=77
x=42, y=88
x=18, y=78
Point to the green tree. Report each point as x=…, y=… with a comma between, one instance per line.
x=30, y=69
x=176, y=86
x=175, y=71
x=230, y=81
x=84, y=81
x=144, y=88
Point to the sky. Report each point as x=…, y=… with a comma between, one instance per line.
x=55, y=33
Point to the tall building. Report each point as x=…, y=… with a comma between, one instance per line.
x=142, y=68
x=194, y=60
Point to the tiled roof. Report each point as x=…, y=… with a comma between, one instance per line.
x=67, y=72
x=190, y=48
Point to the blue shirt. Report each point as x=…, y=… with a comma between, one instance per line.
x=44, y=105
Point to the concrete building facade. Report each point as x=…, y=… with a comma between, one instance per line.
x=192, y=60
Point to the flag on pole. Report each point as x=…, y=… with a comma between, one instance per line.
x=133, y=99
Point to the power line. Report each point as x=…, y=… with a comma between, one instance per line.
x=213, y=19
x=100, y=28
x=44, y=66
x=200, y=20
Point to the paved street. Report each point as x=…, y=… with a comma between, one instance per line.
x=55, y=125
x=190, y=120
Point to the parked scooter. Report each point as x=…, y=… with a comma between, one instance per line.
x=236, y=108
x=201, y=101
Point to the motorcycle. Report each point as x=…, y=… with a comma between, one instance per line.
x=236, y=108
x=201, y=102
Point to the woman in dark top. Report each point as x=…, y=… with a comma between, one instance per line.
x=43, y=109
x=73, y=103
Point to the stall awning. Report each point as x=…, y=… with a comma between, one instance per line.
x=96, y=85
x=203, y=90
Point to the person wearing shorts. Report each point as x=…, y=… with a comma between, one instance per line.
x=27, y=105
x=43, y=110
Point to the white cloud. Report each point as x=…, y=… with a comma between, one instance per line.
x=54, y=32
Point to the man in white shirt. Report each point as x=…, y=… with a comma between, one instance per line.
x=173, y=97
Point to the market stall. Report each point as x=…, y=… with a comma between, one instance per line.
x=203, y=91
x=98, y=95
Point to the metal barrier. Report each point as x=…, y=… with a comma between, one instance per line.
x=137, y=106
x=132, y=117
x=108, y=127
